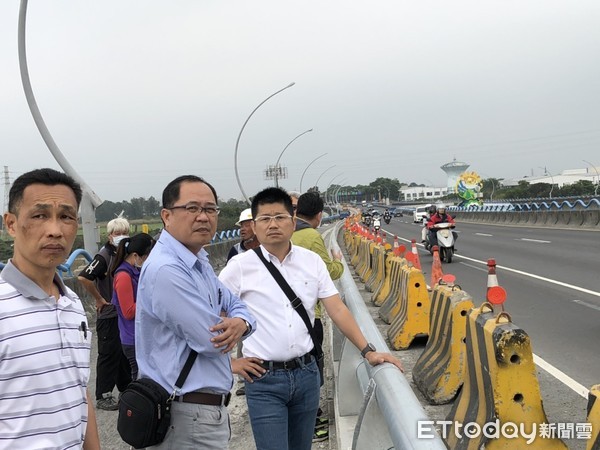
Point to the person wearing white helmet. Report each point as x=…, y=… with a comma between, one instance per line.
x=248, y=237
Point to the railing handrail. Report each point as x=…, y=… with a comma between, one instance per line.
x=398, y=404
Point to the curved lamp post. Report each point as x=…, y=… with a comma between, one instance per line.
x=323, y=173
x=89, y=201
x=597, y=177
x=281, y=154
x=551, y=177
x=237, y=143
x=309, y=164
x=329, y=185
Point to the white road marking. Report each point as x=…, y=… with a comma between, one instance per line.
x=483, y=234
x=589, y=305
x=556, y=373
x=474, y=267
x=534, y=240
x=561, y=376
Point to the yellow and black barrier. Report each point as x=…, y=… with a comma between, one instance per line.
x=413, y=308
x=364, y=258
x=390, y=305
x=378, y=272
x=500, y=389
x=384, y=289
x=367, y=267
x=593, y=417
x=440, y=370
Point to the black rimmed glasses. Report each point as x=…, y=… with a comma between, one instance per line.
x=278, y=219
x=193, y=208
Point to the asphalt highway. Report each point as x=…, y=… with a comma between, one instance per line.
x=552, y=281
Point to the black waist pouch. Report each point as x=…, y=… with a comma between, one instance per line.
x=144, y=413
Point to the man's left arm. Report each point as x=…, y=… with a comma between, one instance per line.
x=91, y=441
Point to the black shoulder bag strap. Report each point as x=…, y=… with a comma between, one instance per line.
x=189, y=362
x=294, y=300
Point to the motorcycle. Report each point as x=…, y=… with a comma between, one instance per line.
x=445, y=241
x=376, y=223
x=367, y=220
x=387, y=219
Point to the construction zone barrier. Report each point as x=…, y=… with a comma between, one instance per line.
x=412, y=306
x=378, y=270
x=440, y=370
x=593, y=417
x=500, y=389
x=390, y=304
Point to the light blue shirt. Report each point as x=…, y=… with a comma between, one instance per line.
x=179, y=298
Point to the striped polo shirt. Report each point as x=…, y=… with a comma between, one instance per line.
x=44, y=365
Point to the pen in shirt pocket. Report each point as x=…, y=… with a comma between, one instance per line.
x=220, y=296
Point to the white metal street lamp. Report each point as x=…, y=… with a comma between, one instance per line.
x=323, y=173
x=597, y=177
x=237, y=143
x=309, y=164
x=551, y=177
x=89, y=201
x=281, y=154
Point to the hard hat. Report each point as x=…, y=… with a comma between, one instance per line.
x=245, y=215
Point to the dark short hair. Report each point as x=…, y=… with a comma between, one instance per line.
x=171, y=193
x=47, y=177
x=309, y=205
x=272, y=195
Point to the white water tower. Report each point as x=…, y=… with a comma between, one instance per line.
x=454, y=169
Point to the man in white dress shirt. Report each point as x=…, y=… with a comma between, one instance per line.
x=282, y=378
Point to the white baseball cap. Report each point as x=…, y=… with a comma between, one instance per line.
x=245, y=215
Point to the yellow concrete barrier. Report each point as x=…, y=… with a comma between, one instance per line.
x=380, y=294
x=378, y=272
x=440, y=370
x=593, y=417
x=390, y=305
x=414, y=304
x=365, y=273
x=500, y=389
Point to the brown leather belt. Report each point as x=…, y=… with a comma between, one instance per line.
x=287, y=365
x=204, y=398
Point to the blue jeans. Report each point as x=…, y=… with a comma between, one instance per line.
x=282, y=405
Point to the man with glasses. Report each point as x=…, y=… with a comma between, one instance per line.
x=282, y=389
x=179, y=306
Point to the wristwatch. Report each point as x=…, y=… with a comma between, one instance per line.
x=369, y=348
x=248, y=327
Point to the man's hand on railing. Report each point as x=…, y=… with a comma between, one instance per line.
x=376, y=358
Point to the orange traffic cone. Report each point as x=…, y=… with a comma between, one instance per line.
x=496, y=294
x=383, y=238
x=436, y=269
x=417, y=261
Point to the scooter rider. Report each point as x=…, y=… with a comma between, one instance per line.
x=430, y=212
x=440, y=216
x=387, y=216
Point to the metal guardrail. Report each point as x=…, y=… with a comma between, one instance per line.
x=376, y=394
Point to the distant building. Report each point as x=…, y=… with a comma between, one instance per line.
x=566, y=177
x=423, y=192
x=454, y=169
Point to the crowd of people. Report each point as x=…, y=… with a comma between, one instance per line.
x=157, y=301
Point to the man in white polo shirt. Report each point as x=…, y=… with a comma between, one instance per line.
x=44, y=334
x=282, y=388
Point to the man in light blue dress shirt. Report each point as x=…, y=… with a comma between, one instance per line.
x=181, y=305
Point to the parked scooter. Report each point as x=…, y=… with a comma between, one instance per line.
x=445, y=241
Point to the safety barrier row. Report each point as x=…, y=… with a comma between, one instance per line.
x=589, y=218
x=373, y=395
x=473, y=356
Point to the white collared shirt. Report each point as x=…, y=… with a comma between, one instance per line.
x=280, y=333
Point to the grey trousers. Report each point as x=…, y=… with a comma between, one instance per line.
x=196, y=426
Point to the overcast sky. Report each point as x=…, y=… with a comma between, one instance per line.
x=136, y=93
